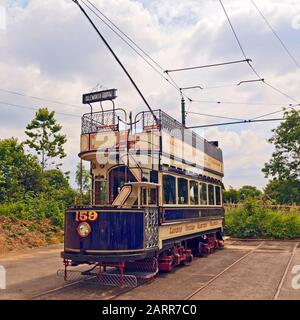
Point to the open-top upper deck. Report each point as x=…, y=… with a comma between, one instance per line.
x=161, y=142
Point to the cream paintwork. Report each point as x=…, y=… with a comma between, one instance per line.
x=173, y=230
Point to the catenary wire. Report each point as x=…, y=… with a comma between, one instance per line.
x=41, y=99
x=276, y=35
x=250, y=65
x=172, y=82
x=214, y=116
x=5, y=103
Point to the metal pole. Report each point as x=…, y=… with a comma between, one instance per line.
x=183, y=115
x=81, y=177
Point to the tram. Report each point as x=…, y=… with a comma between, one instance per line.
x=155, y=198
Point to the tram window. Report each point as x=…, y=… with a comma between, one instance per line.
x=203, y=193
x=182, y=191
x=211, y=195
x=218, y=195
x=152, y=196
x=144, y=196
x=194, y=199
x=103, y=191
x=100, y=192
x=169, y=189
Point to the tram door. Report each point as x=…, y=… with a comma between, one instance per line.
x=117, y=178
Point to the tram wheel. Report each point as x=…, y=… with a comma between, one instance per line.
x=200, y=252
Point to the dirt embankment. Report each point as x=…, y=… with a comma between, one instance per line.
x=18, y=234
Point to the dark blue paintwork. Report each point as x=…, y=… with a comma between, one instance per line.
x=169, y=214
x=113, y=230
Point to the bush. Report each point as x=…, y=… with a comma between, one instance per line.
x=35, y=207
x=255, y=220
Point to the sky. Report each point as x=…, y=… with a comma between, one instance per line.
x=48, y=49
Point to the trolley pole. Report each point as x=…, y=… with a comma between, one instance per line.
x=183, y=115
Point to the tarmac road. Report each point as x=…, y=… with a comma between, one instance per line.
x=243, y=270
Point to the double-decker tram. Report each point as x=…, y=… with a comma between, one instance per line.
x=155, y=200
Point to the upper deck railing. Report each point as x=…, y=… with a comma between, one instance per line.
x=110, y=120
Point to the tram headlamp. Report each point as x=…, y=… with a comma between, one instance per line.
x=84, y=229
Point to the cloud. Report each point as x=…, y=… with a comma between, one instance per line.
x=48, y=49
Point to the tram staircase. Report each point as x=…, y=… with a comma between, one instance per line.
x=126, y=194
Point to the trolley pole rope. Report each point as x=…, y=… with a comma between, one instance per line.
x=117, y=59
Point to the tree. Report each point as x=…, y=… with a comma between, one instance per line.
x=239, y=195
x=247, y=192
x=284, y=191
x=285, y=161
x=82, y=179
x=231, y=195
x=55, y=179
x=45, y=138
x=19, y=172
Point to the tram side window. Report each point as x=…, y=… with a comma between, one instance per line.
x=182, y=191
x=218, y=195
x=203, y=194
x=211, y=195
x=194, y=199
x=169, y=189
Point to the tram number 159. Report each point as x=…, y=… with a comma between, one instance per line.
x=86, y=216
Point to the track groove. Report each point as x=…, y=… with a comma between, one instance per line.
x=285, y=272
x=222, y=272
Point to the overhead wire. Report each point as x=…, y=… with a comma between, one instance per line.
x=41, y=99
x=276, y=35
x=133, y=44
x=236, y=122
x=35, y=109
x=160, y=67
x=275, y=112
x=250, y=65
x=214, y=116
x=238, y=102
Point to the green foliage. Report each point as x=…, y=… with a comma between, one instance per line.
x=284, y=191
x=19, y=172
x=285, y=161
x=44, y=137
x=238, y=195
x=254, y=220
x=34, y=207
x=82, y=178
x=27, y=192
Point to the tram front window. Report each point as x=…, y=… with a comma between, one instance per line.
x=100, y=192
x=152, y=196
x=169, y=189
